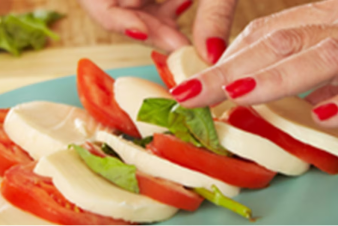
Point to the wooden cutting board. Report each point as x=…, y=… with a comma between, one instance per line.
x=81, y=37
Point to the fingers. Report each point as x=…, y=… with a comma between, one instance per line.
x=326, y=113
x=109, y=16
x=254, y=59
x=212, y=28
x=322, y=94
x=162, y=35
x=315, y=66
x=322, y=12
x=134, y=3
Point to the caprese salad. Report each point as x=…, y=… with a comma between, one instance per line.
x=134, y=155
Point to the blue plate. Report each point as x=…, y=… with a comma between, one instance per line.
x=309, y=199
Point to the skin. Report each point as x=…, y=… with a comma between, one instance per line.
x=287, y=53
x=158, y=20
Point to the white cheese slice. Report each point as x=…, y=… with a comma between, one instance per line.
x=293, y=116
x=92, y=192
x=259, y=150
x=42, y=128
x=11, y=215
x=184, y=63
x=218, y=110
x=159, y=167
x=130, y=93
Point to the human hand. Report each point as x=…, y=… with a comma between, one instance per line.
x=277, y=56
x=155, y=23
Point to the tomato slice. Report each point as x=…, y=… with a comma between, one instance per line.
x=255, y=124
x=3, y=113
x=37, y=195
x=162, y=190
x=10, y=153
x=96, y=92
x=163, y=70
x=233, y=171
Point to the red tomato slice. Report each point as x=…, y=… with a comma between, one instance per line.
x=253, y=123
x=96, y=92
x=3, y=113
x=230, y=170
x=168, y=192
x=160, y=61
x=162, y=190
x=37, y=195
x=10, y=153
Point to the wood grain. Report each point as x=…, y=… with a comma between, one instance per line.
x=79, y=30
x=81, y=37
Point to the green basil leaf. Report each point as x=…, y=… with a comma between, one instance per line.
x=6, y=42
x=200, y=123
x=109, y=151
x=30, y=30
x=215, y=196
x=114, y=170
x=143, y=142
x=195, y=126
x=156, y=111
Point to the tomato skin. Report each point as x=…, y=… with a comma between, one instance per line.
x=233, y=171
x=96, y=92
x=160, y=61
x=38, y=195
x=168, y=192
x=255, y=124
x=162, y=190
x=10, y=153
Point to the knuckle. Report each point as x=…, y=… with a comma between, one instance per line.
x=254, y=25
x=328, y=53
x=285, y=42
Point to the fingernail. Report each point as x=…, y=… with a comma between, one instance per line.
x=183, y=7
x=136, y=34
x=326, y=111
x=215, y=47
x=187, y=90
x=240, y=87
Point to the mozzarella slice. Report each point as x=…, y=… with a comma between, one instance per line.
x=11, y=215
x=259, y=150
x=130, y=93
x=184, y=63
x=91, y=192
x=158, y=167
x=293, y=116
x=42, y=128
x=218, y=110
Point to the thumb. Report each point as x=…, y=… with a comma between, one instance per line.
x=212, y=28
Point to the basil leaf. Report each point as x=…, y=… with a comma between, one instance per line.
x=219, y=199
x=109, y=151
x=19, y=32
x=143, y=142
x=195, y=126
x=156, y=111
x=114, y=170
x=200, y=123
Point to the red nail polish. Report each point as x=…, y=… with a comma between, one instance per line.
x=326, y=111
x=183, y=7
x=187, y=90
x=215, y=48
x=240, y=87
x=136, y=34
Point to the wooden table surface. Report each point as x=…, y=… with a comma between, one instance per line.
x=81, y=37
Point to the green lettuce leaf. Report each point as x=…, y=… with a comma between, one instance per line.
x=219, y=199
x=113, y=169
x=26, y=31
x=195, y=126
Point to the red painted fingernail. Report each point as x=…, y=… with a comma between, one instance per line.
x=326, y=111
x=183, y=7
x=215, y=48
x=240, y=87
x=136, y=34
x=187, y=90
